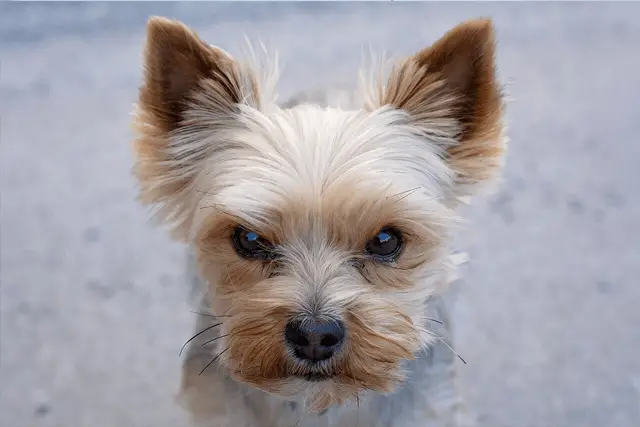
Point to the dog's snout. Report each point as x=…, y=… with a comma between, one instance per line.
x=314, y=340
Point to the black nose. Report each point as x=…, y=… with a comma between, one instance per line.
x=314, y=340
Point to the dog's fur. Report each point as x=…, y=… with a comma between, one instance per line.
x=215, y=151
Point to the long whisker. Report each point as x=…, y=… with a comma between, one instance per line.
x=405, y=194
x=452, y=350
x=214, y=339
x=214, y=359
x=208, y=315
x=196, y=335
x=434, y=320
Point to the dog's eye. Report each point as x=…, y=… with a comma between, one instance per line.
x=386, y=245
x=249, y=244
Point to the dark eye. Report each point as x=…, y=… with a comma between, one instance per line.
x=249, y=244
x=386, y=245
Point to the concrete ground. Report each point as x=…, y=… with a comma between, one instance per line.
x=93, y=308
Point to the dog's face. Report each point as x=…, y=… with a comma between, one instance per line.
x=320, y=232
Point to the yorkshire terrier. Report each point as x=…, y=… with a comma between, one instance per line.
x=319, y=234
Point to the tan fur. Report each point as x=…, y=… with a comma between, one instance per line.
x=180, y=70
x=453, y=84
x=214, y=152
x=260, y=304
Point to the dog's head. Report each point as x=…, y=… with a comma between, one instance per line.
x=320, y=232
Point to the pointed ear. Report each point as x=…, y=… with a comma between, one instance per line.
x=176, y=64
x=450, y=89
x=185, y=82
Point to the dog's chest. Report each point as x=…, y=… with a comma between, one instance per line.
x=291, y=415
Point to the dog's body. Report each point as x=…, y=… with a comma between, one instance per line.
x=319, y=234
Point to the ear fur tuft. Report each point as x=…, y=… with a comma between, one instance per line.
x=451, y=88
x=182, y=74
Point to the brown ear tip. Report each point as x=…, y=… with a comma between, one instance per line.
x=482, y=26
x=157, y=21
x=160, y=24
x=484, y=22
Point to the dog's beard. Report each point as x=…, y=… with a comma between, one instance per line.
x=318, y=392
x=380, y=340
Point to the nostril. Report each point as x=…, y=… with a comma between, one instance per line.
x=295, y=335
x=330, y=334
x=329, y=341
x=314, y=340
x=301, y=341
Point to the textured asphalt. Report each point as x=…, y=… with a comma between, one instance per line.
x=93, y=304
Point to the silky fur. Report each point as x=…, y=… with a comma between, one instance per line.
x=214, y=151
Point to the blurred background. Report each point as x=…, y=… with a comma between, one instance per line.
x=93, y=304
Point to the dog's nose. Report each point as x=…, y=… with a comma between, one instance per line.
x=314, y=340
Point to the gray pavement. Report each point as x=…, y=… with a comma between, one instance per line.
x=93, y=306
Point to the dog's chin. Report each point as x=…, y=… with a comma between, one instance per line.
x=315, y=377
x=315, y=391
x=323, y=385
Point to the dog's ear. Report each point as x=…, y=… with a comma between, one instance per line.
x=450, y=89
x=186, y=83
x=177, y=64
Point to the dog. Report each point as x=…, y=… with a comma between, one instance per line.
x=318, y=235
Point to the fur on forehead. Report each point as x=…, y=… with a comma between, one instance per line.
x=309, y=160
x=210, y=133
